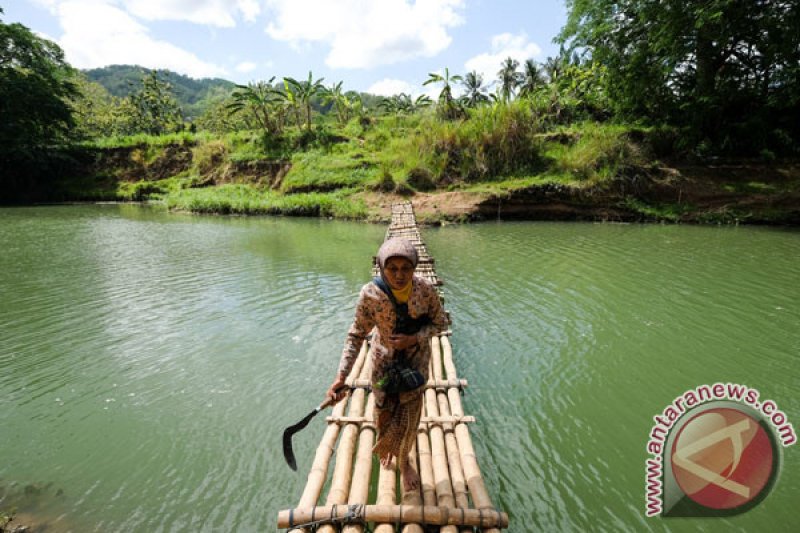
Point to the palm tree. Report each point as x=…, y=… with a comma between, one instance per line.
x=553, y=67
x=446, y=95
x=337, y=98
x=509, y=77
x=476, y=91
x=259, y=99
x=305, y=91
x=531, y=78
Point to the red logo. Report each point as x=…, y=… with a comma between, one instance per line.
x=722, y=458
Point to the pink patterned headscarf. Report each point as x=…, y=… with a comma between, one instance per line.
x=397, y=247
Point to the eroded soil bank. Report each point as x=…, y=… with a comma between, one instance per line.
x=730, y=193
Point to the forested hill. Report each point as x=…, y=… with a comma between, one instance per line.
x=122, y=80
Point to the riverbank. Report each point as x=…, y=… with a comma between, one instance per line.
x=487, y=168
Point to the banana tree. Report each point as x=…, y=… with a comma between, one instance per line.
x=304, y=91
x=334, y=96
x=258, y=100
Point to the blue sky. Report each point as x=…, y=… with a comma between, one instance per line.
x=380, y=46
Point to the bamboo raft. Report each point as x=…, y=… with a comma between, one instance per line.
x=452, y=497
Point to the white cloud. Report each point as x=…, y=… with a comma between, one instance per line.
x=97, y=34
x=504, y=45
x=366, y=33
x=246, y=66
x=220, y=13
x=390, y=87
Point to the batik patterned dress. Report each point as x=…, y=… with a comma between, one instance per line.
x=397, y=415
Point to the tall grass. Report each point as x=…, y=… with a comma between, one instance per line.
x=598, y=152
x=249, y=200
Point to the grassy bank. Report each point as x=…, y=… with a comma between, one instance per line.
x=494, y=153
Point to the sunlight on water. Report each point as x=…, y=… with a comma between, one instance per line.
x=150, y=361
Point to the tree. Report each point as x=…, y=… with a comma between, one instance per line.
x=531, y=78
x=712, y=65
x=35, y=114
x=446, y=100
x=156, y=110
x=510, y=78
x=35, y=85
x=476, y=91
x=257, y=100
x=304, y=91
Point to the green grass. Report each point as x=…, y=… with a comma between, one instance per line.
x=598, y=153
x=126, y=141
x=321, y=170
x=250, y=200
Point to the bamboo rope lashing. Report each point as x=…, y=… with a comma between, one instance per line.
x=441, y=474
x=387, y=483
x=435, y=515
x=342, y=472
x=322, y=457
x=472, y=472
x=359, y=489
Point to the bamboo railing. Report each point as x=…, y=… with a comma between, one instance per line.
x=452, y=497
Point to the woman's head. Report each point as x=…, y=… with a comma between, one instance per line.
x=397, y=259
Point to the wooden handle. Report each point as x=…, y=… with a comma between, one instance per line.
x=330, y=401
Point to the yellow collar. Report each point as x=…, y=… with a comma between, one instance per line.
x=403, y=294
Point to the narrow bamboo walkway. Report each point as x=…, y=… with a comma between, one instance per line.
x=452, y=497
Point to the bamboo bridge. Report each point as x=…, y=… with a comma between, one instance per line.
x=452, y=497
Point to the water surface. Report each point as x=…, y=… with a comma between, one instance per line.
x=150, y=361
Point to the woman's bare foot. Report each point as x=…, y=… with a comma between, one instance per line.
x=386, y=460
x=410, y=478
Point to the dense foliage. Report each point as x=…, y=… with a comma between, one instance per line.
x=727, y=71
x=193, y=95
x=35, y=83
x=701, y=78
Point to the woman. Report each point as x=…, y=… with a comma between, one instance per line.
x=406, y=312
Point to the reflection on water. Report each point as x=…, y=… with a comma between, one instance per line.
x=151, y=361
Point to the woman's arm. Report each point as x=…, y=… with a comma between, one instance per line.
x=361, y=327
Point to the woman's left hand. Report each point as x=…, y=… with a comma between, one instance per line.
x=399, y=341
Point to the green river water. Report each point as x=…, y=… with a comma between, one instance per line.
x=150, y=361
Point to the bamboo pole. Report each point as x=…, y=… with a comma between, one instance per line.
x=431, y=383
x=319, y=468
x=339, y=489
x=359, y=490
x=411, y=497
x=387, y=483
x=472, y=472
x=453, y=455
x=424, y=420
x=426, y=466
x=441, y=475
x=440, y=516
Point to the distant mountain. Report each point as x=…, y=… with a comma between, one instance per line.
x=122, y=80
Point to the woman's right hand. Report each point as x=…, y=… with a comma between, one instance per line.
x=332, y=393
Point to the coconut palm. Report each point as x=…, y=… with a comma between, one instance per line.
x=446, y=95
x=531, y=78
x=476, y=91
x=510, y=78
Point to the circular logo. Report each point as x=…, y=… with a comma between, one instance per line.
x=722, y=458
